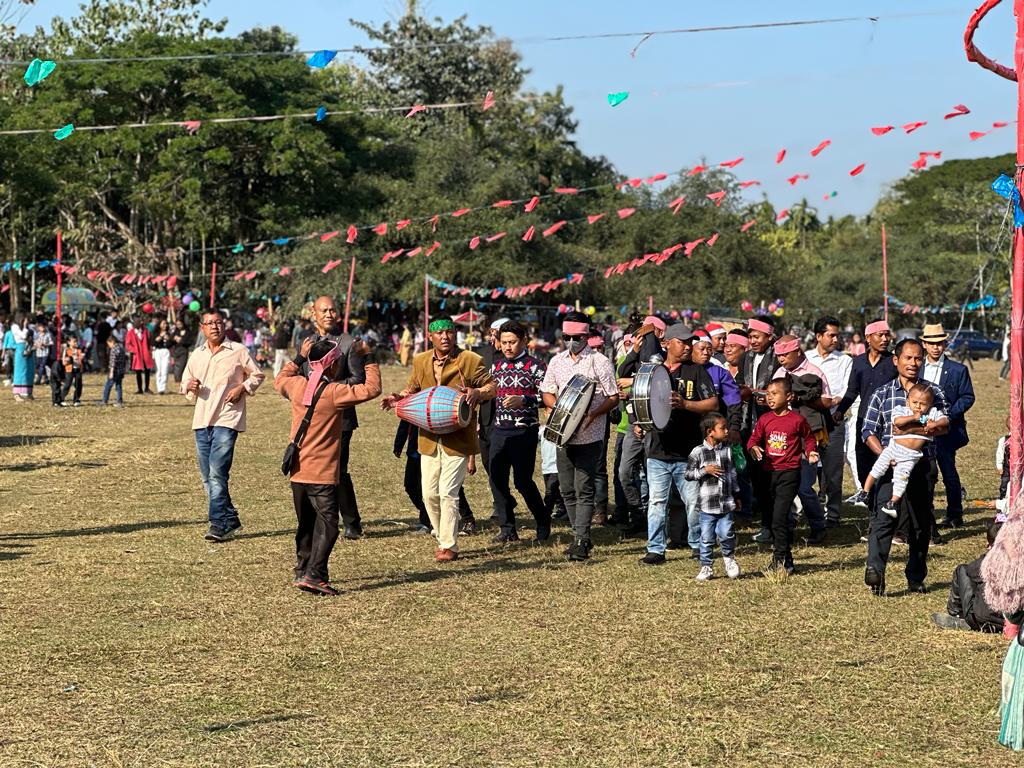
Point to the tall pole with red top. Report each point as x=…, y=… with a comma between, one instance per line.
x=1017, y=279
x=60, y=282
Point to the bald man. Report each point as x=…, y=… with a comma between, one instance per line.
x=351, y=371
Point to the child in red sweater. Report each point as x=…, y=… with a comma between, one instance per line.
x=780, y=438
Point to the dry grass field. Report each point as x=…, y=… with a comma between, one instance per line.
x=127, y=640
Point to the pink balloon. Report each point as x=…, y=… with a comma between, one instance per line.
x=674, y=314
x=696, y=315
x=772, y=307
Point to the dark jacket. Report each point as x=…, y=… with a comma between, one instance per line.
x=955, y=381
x=807, y=389
x=757, y=380
x=486, y=413
x=351, y=371
x=967, y=598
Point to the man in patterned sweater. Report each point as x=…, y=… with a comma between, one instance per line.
x=514, y=434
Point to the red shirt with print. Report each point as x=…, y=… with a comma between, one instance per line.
x=785, y=440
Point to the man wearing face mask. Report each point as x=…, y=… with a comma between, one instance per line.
x=578, y=459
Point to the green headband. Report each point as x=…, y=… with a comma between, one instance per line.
x=441, y=325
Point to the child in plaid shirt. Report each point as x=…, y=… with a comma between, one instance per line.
x=710, y=465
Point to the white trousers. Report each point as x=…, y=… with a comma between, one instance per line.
x=280, y=358
x=441, y=477
x=162, y=360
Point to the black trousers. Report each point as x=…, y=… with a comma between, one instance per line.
x=865, y=457
x=761, y=487
x=484, y=436
x=138, y=380
x=968, y=602
x=316, y=509
x=833, y=462
x=414, y=491
x=347, y=506
x=553, y=501
x=515, y=452
x=916, y=516
x=74, y=378
x=783, y=486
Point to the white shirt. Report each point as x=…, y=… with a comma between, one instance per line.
x=836, y=367
x=932, y=371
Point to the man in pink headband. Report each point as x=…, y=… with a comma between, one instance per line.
x=315, y=467
x=753, y=379
x=578, y=459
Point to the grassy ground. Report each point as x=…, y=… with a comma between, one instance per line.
x=129, y=641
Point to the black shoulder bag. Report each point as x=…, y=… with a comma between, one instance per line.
x=292, y=451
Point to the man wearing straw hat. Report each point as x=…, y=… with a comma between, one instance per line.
x=444, y=458
x=955, y=381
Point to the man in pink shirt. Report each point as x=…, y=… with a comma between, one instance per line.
x=217, y=378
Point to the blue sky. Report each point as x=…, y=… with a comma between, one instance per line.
x=721, y=95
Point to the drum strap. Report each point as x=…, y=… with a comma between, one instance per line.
x=300, y=433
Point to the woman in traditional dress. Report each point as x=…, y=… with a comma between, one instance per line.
x=24, y=358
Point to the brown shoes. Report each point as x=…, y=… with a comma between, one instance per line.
x=446, y=555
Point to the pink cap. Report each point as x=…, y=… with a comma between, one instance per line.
x=657, y=322
x=738, y=339
x=571, y=328
x=627, y=339
x=876, y=327
x=785, y=347
x=595, y=341
x=754, y=324
x=715, y=329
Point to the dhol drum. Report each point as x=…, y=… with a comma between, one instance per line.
x=441, y=410
x=652, y=396
x=570, y=409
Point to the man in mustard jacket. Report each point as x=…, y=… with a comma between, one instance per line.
x=443, y=458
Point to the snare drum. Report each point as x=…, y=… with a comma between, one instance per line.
x=652, y=396
x=570, y=410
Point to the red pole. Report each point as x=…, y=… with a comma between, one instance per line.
x=59, y=288
x=885, y=276
x=348, y=296
x=213, y=285
x=426, y=312
x=1017, y=286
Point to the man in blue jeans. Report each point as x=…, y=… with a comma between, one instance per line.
x=667, y=450
x=217, y=378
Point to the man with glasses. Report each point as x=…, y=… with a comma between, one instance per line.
x=351, y=371
x=218, y=377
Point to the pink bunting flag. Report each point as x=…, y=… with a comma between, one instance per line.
x=488, y=101
x=238, y=277
x=351, y=234
x=625, y=213
x=528, y=235
x=285, y=271
x=936, y=155
x=566, y=190
x=712, y=240
x=920, y=163
x=251, y=275
x=532, y=204
x=607, y=274
x=782, y=214
x=858, y=170
x=911, y=127
x=91, y=274
x=330, y=265
x=975, y=135
x=501, y=204
x=432, y=248
x=474, y=243
x=635, y=183
x=595, y=217
x=656, y=177
x=665, y=254
x=696, y=169
x=6, y=287
x=415, y=109
x=780, y=157
x=576, y=278
x=329, y=235
x=820, y=148
x=433, y=221
x=716, y=197
x=400, y=225
x=460, y=212
x=689, y=248
x=192, y=126
x=676, y=204
x=745, y=184
x=748, y=225
x=495, y=237
x=958, y=109
x=731, y=163
x=414, y=252
x=381, y=229
x=553, y=228
x=999, y=125
x=797, y=177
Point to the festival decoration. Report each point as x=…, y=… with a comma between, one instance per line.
x=148, y=308
x=38, y=71
x=194, y=306
x=614, y=99
x=62, y=133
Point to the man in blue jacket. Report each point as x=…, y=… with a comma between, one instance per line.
x=955, y=381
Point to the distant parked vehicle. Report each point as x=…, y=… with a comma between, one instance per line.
x=975, y=344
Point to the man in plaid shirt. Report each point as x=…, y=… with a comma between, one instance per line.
x=916, y=510
x=710, y=465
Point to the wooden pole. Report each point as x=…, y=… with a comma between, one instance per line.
x=885, y=276
x=650, y=305
x=348, y=296
x=213, y=285
x=60, y=281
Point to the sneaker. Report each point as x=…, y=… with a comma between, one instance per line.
x=215, y=534
x=505, y=538
x=945, y=621
x=764, y=536
x=64, y=405
x=890, y=509
x=705, y=573
x=317, y=587
x=951, y=522
x=859, y=499
x=936, y=537
x=579, y=550
x=818, y=536
x=652, y=558
x=421, y=530
x=899, y=541
x=231, y=531
x=732, y=568
x=917, y=587
x=76, y=404
x=468, y=528
x=875, y=580
x=119, y=405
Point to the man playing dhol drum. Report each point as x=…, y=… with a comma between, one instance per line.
x=578, y=458
x=444, y=458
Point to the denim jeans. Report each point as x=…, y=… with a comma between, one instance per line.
x=114, y=384
x=808, y=498
x=661, y=476
x=215, y=449
x=712, y=526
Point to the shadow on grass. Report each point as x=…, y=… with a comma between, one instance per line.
x=14, y=554
x=31, y=466
x=438, y=574
x=235, y=724
x=18, y=441
x=99, y=530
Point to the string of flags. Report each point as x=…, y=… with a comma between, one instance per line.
x=985, y=302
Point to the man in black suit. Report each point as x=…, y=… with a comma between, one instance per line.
x=485, y=419
x=955, y=381
x=350, y=371
x=759, y=365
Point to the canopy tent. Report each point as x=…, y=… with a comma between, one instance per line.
x=71, y=299
x=469, y=317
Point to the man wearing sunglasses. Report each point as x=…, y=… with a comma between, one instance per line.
x=217, y=378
